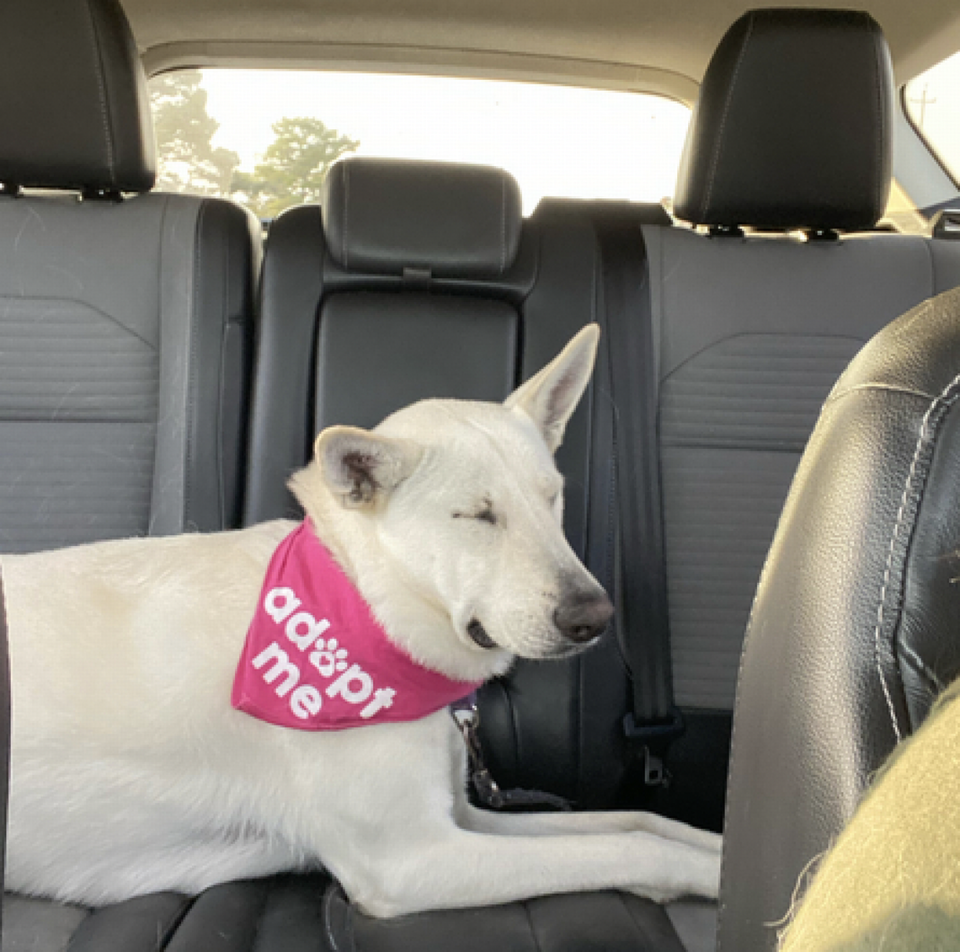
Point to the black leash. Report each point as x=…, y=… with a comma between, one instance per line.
x=466, y=716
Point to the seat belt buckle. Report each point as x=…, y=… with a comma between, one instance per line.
x=654, y=773
x=652, y=740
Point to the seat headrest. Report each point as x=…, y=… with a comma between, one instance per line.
x=437, y=219
x=792, y=127
x=74, y=111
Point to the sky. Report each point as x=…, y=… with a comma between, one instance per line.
x=556, y=140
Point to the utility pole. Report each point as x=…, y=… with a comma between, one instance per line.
x=923, y=100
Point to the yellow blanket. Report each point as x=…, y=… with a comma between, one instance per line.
x=892, y=881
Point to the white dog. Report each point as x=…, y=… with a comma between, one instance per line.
x=132, y=772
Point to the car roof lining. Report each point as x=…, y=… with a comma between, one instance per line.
x=422, y=61
x=646, y=45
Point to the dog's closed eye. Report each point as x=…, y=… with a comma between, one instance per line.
x=483, y=513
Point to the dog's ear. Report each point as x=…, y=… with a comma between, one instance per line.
x=550, y=397
x=358, y=465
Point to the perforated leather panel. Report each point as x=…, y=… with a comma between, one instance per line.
x=734, y=420
x=118, y=353
x=753, y=333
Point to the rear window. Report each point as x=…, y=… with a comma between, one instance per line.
x=266, y=138
x=933, y=103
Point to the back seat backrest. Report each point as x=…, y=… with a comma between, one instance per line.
x=125, y=323
x=792, y=131
x=420, y=279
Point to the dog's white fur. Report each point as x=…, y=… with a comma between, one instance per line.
x=131, y=772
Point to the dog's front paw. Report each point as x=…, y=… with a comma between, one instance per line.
x=705, y=882
x=659, y=896
x=697, y=873
x=711, y=841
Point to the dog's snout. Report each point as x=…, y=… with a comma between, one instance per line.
x=583, y=616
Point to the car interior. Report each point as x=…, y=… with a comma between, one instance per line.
x=167, y=359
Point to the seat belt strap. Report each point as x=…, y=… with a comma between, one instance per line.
x=640, y=563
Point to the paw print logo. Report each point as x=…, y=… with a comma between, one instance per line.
x=329, y=658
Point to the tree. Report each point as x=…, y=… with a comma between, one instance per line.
x=294, y=166
x=186, y=158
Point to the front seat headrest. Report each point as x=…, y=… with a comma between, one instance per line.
x=792, y=127
x=74, y=110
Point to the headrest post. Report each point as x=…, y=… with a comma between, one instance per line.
x=726, y=231
x=822, y=234
x=101, y=195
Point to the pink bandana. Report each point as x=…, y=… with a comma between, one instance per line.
x=315, y=657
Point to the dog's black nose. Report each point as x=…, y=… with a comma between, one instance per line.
x=582, y=617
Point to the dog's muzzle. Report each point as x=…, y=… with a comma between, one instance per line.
x=479, y=634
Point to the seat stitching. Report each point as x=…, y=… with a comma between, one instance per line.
x=906, y=497
x=533, y=932
x=327, y=926
x=87, y=306
x=108, y=132
x=723, y=121
x=328, y=899
x=163, y=942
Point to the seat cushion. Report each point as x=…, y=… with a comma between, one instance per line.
x=307, y=913
x=606, y=921
x=38, y=925
x=277, y=914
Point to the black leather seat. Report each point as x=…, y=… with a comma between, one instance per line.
x=126, y=321
x=126, y=318
x=854, y=631
x=757, y=312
